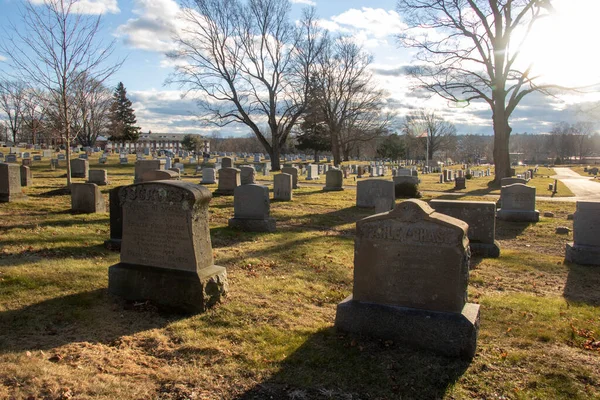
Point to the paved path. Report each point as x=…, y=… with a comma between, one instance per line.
x=583, y=187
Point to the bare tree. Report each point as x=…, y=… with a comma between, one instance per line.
x=438, y=132
x=52, y=46
x=90, y=117
x=351, y=104
x=34, y=112
x=12, y=94
x=474, y=55
x=248, y=63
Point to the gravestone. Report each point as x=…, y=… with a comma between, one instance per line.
x=518, y=203
x=26, y=177
x=208, y=176
x=460, y=183
x=10, y=183
x=247, y=175
x=481, y=218
x=86, y=198
x=53, y=163
x=251, y=209
x=123, y=160
x=141, y=166
x=37, y=158
x=368, y=193
x=159, y=175
x=11, y=158
x=226, y=162
x=180, y=167
x=47, y=153
x=61, y=156
x=411, y=272
x=282, y=187
x=229, y=179
x=79, y=168
x=585, y=248
x=98, y=176
x=26, y=162
x=116, y=220
x=312, y=172
x=102, y=160
x=293, y=171
x=334, y=179
x=166, y=252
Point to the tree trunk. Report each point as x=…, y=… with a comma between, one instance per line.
x=275, y=153
x=502, y=132
x=335, y=148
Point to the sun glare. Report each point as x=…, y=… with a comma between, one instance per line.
x=563, y=47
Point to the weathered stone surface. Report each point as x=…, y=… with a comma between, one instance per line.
x=510, y=181
x=282, y=187
x=116, y=220
x=229, y=179
x=312, y=172
x=10, y=183
x=368, y=191
x=166, y=253
x=227, y=162
x=98, y=176
x=159, y=175
x=518, y=203
x=481, y=218
x=548, y=214
x=87, y=198
x=585, y=248
x=293, y=171
x=247, y=175
x=562, y=230
x=26, y=176
x=251, y=209
x=334, y=180
x=142, y=166
x=79, y=168
x=410, y=281
x=460, y=183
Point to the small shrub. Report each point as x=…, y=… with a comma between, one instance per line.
x=407, y=189
x=468, y=176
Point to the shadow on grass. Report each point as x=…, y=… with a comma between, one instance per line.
x=583, y=284
x=333, y=366
x=506, y=230
x=93, y=316
x=56, y=223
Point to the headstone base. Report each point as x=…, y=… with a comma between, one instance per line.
x=253, y=225
x=449, y=334
x=208, y=182
x=485, y=250
x=113, y=244
x=332, y=189
x=7, y=198
x=188, y=291
x=77, y=175
x=518, y=216
x=584, y=255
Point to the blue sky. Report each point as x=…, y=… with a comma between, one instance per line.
x=141, y=29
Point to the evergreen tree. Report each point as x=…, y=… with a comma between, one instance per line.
x=122, y=118
x=314, y=133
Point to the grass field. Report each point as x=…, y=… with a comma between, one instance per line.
x=62, y=336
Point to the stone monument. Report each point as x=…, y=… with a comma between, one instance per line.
x=166, y=252
x=251, y=209
x=10, y=183
x=585, y=248
x=87, y=198
x=116, y=220
x=518, y=203
x=229, y=179
x=282, y=187
x=334, y=179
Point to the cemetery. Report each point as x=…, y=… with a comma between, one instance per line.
x=222, y=282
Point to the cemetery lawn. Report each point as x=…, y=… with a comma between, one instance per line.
x=63, y=336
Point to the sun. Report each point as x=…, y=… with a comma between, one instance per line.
x=563, y=47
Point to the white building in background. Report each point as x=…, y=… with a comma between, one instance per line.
x=156, y=142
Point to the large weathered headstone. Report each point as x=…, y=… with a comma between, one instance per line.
x=585, y=248
x=518, y=203
x=116, y=220
x=368, y=193
x=87, y=198
x=481, y=218
x=282, y=187
x=251, y=209
x=79, y=168
x=334, y=180
x=293, y=171
x=411, y=271
x=141, y=166
x=166, y=252
x=98, y=176
x=247, y=175
x=26, y=176
x=10, y=183
x=229, y=179
x=208, y=176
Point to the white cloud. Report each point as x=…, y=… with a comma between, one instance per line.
x=375, y=22
x=307, y=2
x=91, y=6
x=2, y=58
x=155, y=26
